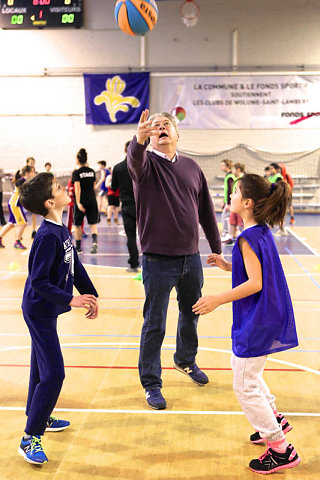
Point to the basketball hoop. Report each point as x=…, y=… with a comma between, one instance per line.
x=189, y=13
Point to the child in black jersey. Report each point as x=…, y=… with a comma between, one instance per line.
x=53, y=270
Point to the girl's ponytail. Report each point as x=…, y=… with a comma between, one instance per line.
x=270, y=200
x=274, y=208
x=16, y=177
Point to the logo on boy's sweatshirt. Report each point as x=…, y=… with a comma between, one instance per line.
x=68, y=256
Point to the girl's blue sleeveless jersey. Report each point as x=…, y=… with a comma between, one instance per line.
x=263, y=323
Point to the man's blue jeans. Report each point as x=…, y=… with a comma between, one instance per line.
x=160, y=274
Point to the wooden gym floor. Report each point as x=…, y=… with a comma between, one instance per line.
x=114, y=435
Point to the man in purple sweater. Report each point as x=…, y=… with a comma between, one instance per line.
x=172, y=198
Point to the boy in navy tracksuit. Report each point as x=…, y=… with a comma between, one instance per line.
x=54, y=268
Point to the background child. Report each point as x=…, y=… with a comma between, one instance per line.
x=32, y=163
x=236, y=222
x=260, y=326
x=101, y=185
x=2, y=176
x=17, y=215
x=70, y=208
x=113, y=201
x=84, y=179
x=226, y=167
x=287, y=178
x=54, y=268
x=48, y=167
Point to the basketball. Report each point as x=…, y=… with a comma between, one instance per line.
x=136, y=17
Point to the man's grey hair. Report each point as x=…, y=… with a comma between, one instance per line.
x=167, y=115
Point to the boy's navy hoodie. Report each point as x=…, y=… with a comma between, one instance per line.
x=53, y=269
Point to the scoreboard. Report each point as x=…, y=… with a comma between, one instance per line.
x=31, y=14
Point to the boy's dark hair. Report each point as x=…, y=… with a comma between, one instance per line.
x=22, y=172
x=82, y=156
x=270, y=199
x=103, y=163
x=48, y=163
x=26, y=169
x=35, y=192
x=275, y=165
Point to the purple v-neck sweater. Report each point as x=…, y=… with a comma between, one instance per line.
x=171, y=199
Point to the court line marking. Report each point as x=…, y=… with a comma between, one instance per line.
x=134, y=344
x=158, y=412
x=303, y=268
x=301, y=240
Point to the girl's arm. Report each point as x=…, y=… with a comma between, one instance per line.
x=102, y=180
x=252, y=285
x=219, y=261
x=77, y=194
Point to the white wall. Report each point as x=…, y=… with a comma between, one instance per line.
x=43, y=116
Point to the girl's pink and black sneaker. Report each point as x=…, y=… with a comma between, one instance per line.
x=272, y=461
x=286, y=427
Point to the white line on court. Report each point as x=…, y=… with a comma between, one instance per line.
x=301, y=240
x=157, y=412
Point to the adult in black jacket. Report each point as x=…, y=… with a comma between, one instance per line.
x=122, y=180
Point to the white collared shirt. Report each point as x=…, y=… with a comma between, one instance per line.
x=52, y=221
x=163, y=155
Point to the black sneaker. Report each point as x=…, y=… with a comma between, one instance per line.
x=194, y=373
x=94, y=248
x=79, y=250
x=286, y=427
x=272, y=461
x=33, y=234
x=133, y=269
x=155, y=399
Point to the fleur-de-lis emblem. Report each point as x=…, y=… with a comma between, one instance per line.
x=113, y=99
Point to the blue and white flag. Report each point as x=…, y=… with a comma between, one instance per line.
x=116, y=98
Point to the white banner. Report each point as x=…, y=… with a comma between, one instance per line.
x=245, y=102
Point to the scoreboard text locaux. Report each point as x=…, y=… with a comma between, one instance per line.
x=29, y=14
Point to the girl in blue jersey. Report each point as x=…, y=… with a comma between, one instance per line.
x=263, y=318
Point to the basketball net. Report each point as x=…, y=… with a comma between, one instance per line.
x=189, y=13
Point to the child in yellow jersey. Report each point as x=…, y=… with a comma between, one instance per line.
x=17, y=216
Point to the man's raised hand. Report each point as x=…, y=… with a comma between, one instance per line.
x=145, y=129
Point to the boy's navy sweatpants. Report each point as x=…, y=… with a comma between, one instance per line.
x=46, y=372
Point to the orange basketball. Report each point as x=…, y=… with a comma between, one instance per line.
x=136, y=17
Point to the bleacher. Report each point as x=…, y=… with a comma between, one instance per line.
x=306, y=191
x=304, y=167
x=305, y=195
